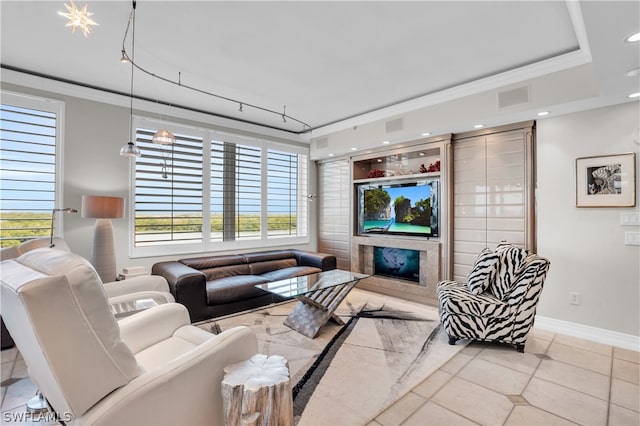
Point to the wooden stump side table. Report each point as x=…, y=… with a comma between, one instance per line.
x=258, y=392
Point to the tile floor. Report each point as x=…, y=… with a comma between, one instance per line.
x=559, y=380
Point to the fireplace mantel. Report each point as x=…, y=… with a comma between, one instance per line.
x=430, y=268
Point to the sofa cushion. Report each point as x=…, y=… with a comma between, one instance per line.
x=510, y=264
x=264, y=256
x=295, y=271
x=214, y=261
x=483, y=272
x=259, y=268
x=233, y=289
x=226, y=271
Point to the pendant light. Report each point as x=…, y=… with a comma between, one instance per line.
x=130, y=149
x=164, y=137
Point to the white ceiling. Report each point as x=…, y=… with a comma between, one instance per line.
x=332, y=63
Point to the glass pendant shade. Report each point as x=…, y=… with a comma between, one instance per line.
x=130, y=150
x=164, y=137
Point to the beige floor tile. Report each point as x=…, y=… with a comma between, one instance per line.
x=436, y=415
x=625, y=394
x=493, y=376
x=474, y=402
x=373, y=423
x=427, y=388
x=580, y=357
x=627, y=371
x=535, y=345
x=627, y=355
x=576, y=378
x=400, y=410
x=8, y=355
x=532, y=416
x=509, y=357
x=18, y=394
x=587, y=345
x=566, y=403
x=619, y=416
x=456, y=363
x=5, y=370
x=474, y=348
x=542, y=334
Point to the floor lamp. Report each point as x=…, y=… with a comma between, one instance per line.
x=103, y=255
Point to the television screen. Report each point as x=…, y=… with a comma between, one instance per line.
x=410, y=208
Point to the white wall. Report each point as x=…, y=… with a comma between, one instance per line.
x=94, y=132
x=586, y=245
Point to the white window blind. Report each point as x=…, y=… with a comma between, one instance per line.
x=29, y=136
x=216, y=191
x=283, y=200
x=168, y=197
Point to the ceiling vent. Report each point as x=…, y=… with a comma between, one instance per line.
x=513, y=97
x=394, y=125
x=322, y=143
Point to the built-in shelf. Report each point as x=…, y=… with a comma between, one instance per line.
x=397, y=178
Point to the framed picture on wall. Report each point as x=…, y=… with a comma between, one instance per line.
x=606, y=181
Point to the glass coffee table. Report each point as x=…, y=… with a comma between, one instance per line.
x=319, y=295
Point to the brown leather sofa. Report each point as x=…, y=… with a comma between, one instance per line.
x=212, y=286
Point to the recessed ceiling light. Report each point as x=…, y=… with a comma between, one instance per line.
x=478, y=126
x=385, y=142
x=634, y=95
x=331, y=155
x=543, y=113
x=354, y=149
x=379, y=160
x=632, y=38
x=421, y=154
x=426, y=134
x=633, y=73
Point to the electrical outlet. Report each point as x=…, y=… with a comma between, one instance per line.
x=574, y=298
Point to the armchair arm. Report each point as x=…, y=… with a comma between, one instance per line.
x=323, y=261
x=187, y=390
x=188, y=286
x=153, y=325
x=136, y=284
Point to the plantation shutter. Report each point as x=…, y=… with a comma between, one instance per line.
x=286, y=177
x=27, y=170
x=334, y=196
x=168, y=182
x=493, y=195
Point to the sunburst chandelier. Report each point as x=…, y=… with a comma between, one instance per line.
x=78, y=18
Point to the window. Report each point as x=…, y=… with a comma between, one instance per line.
x=30, y=177
x=216, y=191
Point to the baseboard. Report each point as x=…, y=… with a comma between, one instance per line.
x=600, y=335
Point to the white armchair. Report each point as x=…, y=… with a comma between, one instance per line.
x=150, y=368
x=122, y=291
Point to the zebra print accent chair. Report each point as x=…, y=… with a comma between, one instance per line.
x=504, y=311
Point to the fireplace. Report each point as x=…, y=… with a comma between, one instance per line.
x=397, y=263
x=364, y=251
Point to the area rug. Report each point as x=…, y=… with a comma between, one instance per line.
x=348, y=374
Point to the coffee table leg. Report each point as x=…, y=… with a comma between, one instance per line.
x=314, y=310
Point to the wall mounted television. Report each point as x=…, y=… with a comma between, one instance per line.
x=402, y=208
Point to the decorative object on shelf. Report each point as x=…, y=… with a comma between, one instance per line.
x=606, y=181
x=78, y=18
x=241, y=104
x=103, y=256
x=376, y=173
x=53, y=216
x=433, y=167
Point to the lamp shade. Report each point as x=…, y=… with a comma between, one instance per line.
x=99, y=207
